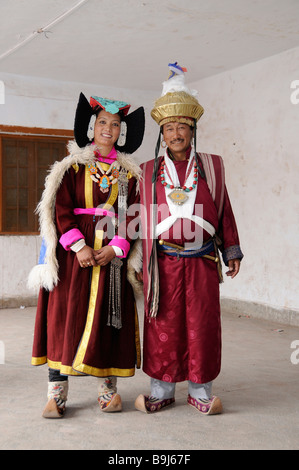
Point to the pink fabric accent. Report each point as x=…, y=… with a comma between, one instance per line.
x=110, y=158
x=94, y=211
x=70, y=237
x=122, y=243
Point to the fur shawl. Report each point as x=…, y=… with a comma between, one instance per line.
x=46, y=275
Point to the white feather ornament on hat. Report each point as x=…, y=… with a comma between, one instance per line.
x=177, y=102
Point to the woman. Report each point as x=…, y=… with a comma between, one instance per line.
x=86, y=321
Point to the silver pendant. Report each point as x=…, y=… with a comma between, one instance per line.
x=178, y=196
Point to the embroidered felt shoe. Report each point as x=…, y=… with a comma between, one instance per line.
x=52, y=410
x=57, y=397
x=110, y=402
x=151, y=404
x=213, y=406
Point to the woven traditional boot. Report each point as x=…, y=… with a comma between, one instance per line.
x=109, y=400
x=211, y=406
x=57, y=397
x=149, y=404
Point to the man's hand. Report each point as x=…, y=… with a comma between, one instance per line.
x=234, y=267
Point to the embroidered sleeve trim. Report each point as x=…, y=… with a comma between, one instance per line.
x=122, y=243
x=232, y=252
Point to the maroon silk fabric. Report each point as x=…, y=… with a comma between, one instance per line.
x=184, y=341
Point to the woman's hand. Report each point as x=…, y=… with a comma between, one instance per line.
x=86, y=257
x=104, y=255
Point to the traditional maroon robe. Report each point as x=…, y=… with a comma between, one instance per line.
x=71, y=332
x=183, y=342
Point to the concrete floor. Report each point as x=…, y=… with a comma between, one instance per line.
x=258, y=385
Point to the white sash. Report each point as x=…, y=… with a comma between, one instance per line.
x=184, y=211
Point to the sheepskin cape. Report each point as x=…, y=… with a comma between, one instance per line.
x=46, y=275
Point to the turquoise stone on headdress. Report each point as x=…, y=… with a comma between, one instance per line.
x=111, y=106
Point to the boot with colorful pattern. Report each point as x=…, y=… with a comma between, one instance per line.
x=109, y=400
x=212, y=406
x=57, y=397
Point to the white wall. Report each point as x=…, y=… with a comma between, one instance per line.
x=32, y=102
x=250, y=120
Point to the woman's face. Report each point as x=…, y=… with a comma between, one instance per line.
x=106, y=130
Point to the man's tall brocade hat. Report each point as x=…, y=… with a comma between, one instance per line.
x=177, y=103
x=132, y=125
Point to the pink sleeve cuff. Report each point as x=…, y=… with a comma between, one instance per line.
x=70, y=237
x=122, y=243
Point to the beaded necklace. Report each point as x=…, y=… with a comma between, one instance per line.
x=184, y=187
x=103, y=178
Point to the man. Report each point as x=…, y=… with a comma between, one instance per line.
x=186, y=217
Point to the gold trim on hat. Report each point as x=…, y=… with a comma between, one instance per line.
x=182, y=119
x=179, y=104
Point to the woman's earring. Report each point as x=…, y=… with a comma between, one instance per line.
x=90, y=131
x=123, y=134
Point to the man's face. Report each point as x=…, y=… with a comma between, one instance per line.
x=177, y=136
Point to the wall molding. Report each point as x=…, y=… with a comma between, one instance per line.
x=233, y=306
x=261, y=311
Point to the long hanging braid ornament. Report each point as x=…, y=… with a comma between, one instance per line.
x=196, y=155
x=153, y=262
x=114, y=318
